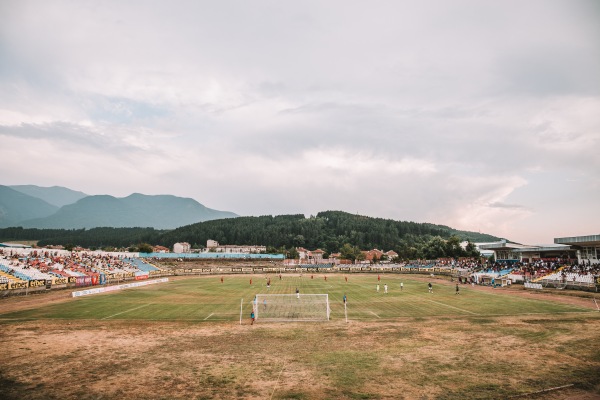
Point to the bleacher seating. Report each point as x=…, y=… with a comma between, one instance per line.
x=328, y=265
x=570, y=277
x=141, y=264
x=532, y=285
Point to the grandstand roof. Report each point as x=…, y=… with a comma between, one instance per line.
x=15, y=245
x=502, y=245
x=548, y=247
x=590, y=240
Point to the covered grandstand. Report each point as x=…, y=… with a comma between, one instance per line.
x=587, y=248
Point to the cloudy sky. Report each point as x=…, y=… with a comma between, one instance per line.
x=480, y=115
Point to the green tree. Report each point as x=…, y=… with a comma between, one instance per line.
x=349, y=252
x=471, y=249
x=144, y=248
x=292, y=253
x=299, y=241
x=360, y=256
x=453, y=247
x=435, y=248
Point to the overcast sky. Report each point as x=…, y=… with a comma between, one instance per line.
x=480, y=115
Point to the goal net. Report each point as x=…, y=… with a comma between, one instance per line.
x=292, y=307
x=560, y=285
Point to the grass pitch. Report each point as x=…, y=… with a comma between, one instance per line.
x=183, y=339
x=206, y=299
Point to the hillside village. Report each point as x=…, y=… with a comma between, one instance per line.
x=304, y=256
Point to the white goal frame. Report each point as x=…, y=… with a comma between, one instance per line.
x=291, y=307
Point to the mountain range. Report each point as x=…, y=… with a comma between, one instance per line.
x=31, y=206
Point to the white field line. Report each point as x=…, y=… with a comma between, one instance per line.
x=456, y=308
x=542, y=391
x=126, y=311
x=211, y=314
x=536, y=313
x=375, y=314
x=277, y=382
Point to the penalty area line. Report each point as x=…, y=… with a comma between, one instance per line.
x=277, y=382
x=211, y=314
x=126, y=311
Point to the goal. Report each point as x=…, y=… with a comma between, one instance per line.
x=560, y=285
x=292, y=307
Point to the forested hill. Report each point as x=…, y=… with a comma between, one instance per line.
x=328, y=230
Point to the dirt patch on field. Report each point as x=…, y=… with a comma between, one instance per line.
x=512, y=356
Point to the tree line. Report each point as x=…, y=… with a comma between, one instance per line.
x=329, y=231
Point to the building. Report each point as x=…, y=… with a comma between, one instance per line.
x=587, y=248
x=212, y=246
x=569, y=249
x=302, y=254
x=316, y=256
x=310, y=256
x=483, y=252
x=183, y=247
x=374, y=255
x=504, y=251
x=160, y=249
x=391, y=254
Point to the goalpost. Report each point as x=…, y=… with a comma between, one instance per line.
x=292, y=307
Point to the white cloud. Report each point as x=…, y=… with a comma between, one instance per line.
x=460, y=113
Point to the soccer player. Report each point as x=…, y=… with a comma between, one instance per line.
x=401, y=286
x=297, y=293
x=430, y=286
x=345, y=298
x=251, y=281
x=221, y=279
x=385, y=288
x=346, y=279
x=377, y=288
x=252, y=317
x=457, y=289
x=265, y=304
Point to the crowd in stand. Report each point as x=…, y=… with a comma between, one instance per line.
x=555, y=269
x=49, y=265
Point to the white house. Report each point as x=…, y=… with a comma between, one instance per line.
x=181, y=247
x=214, y=246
